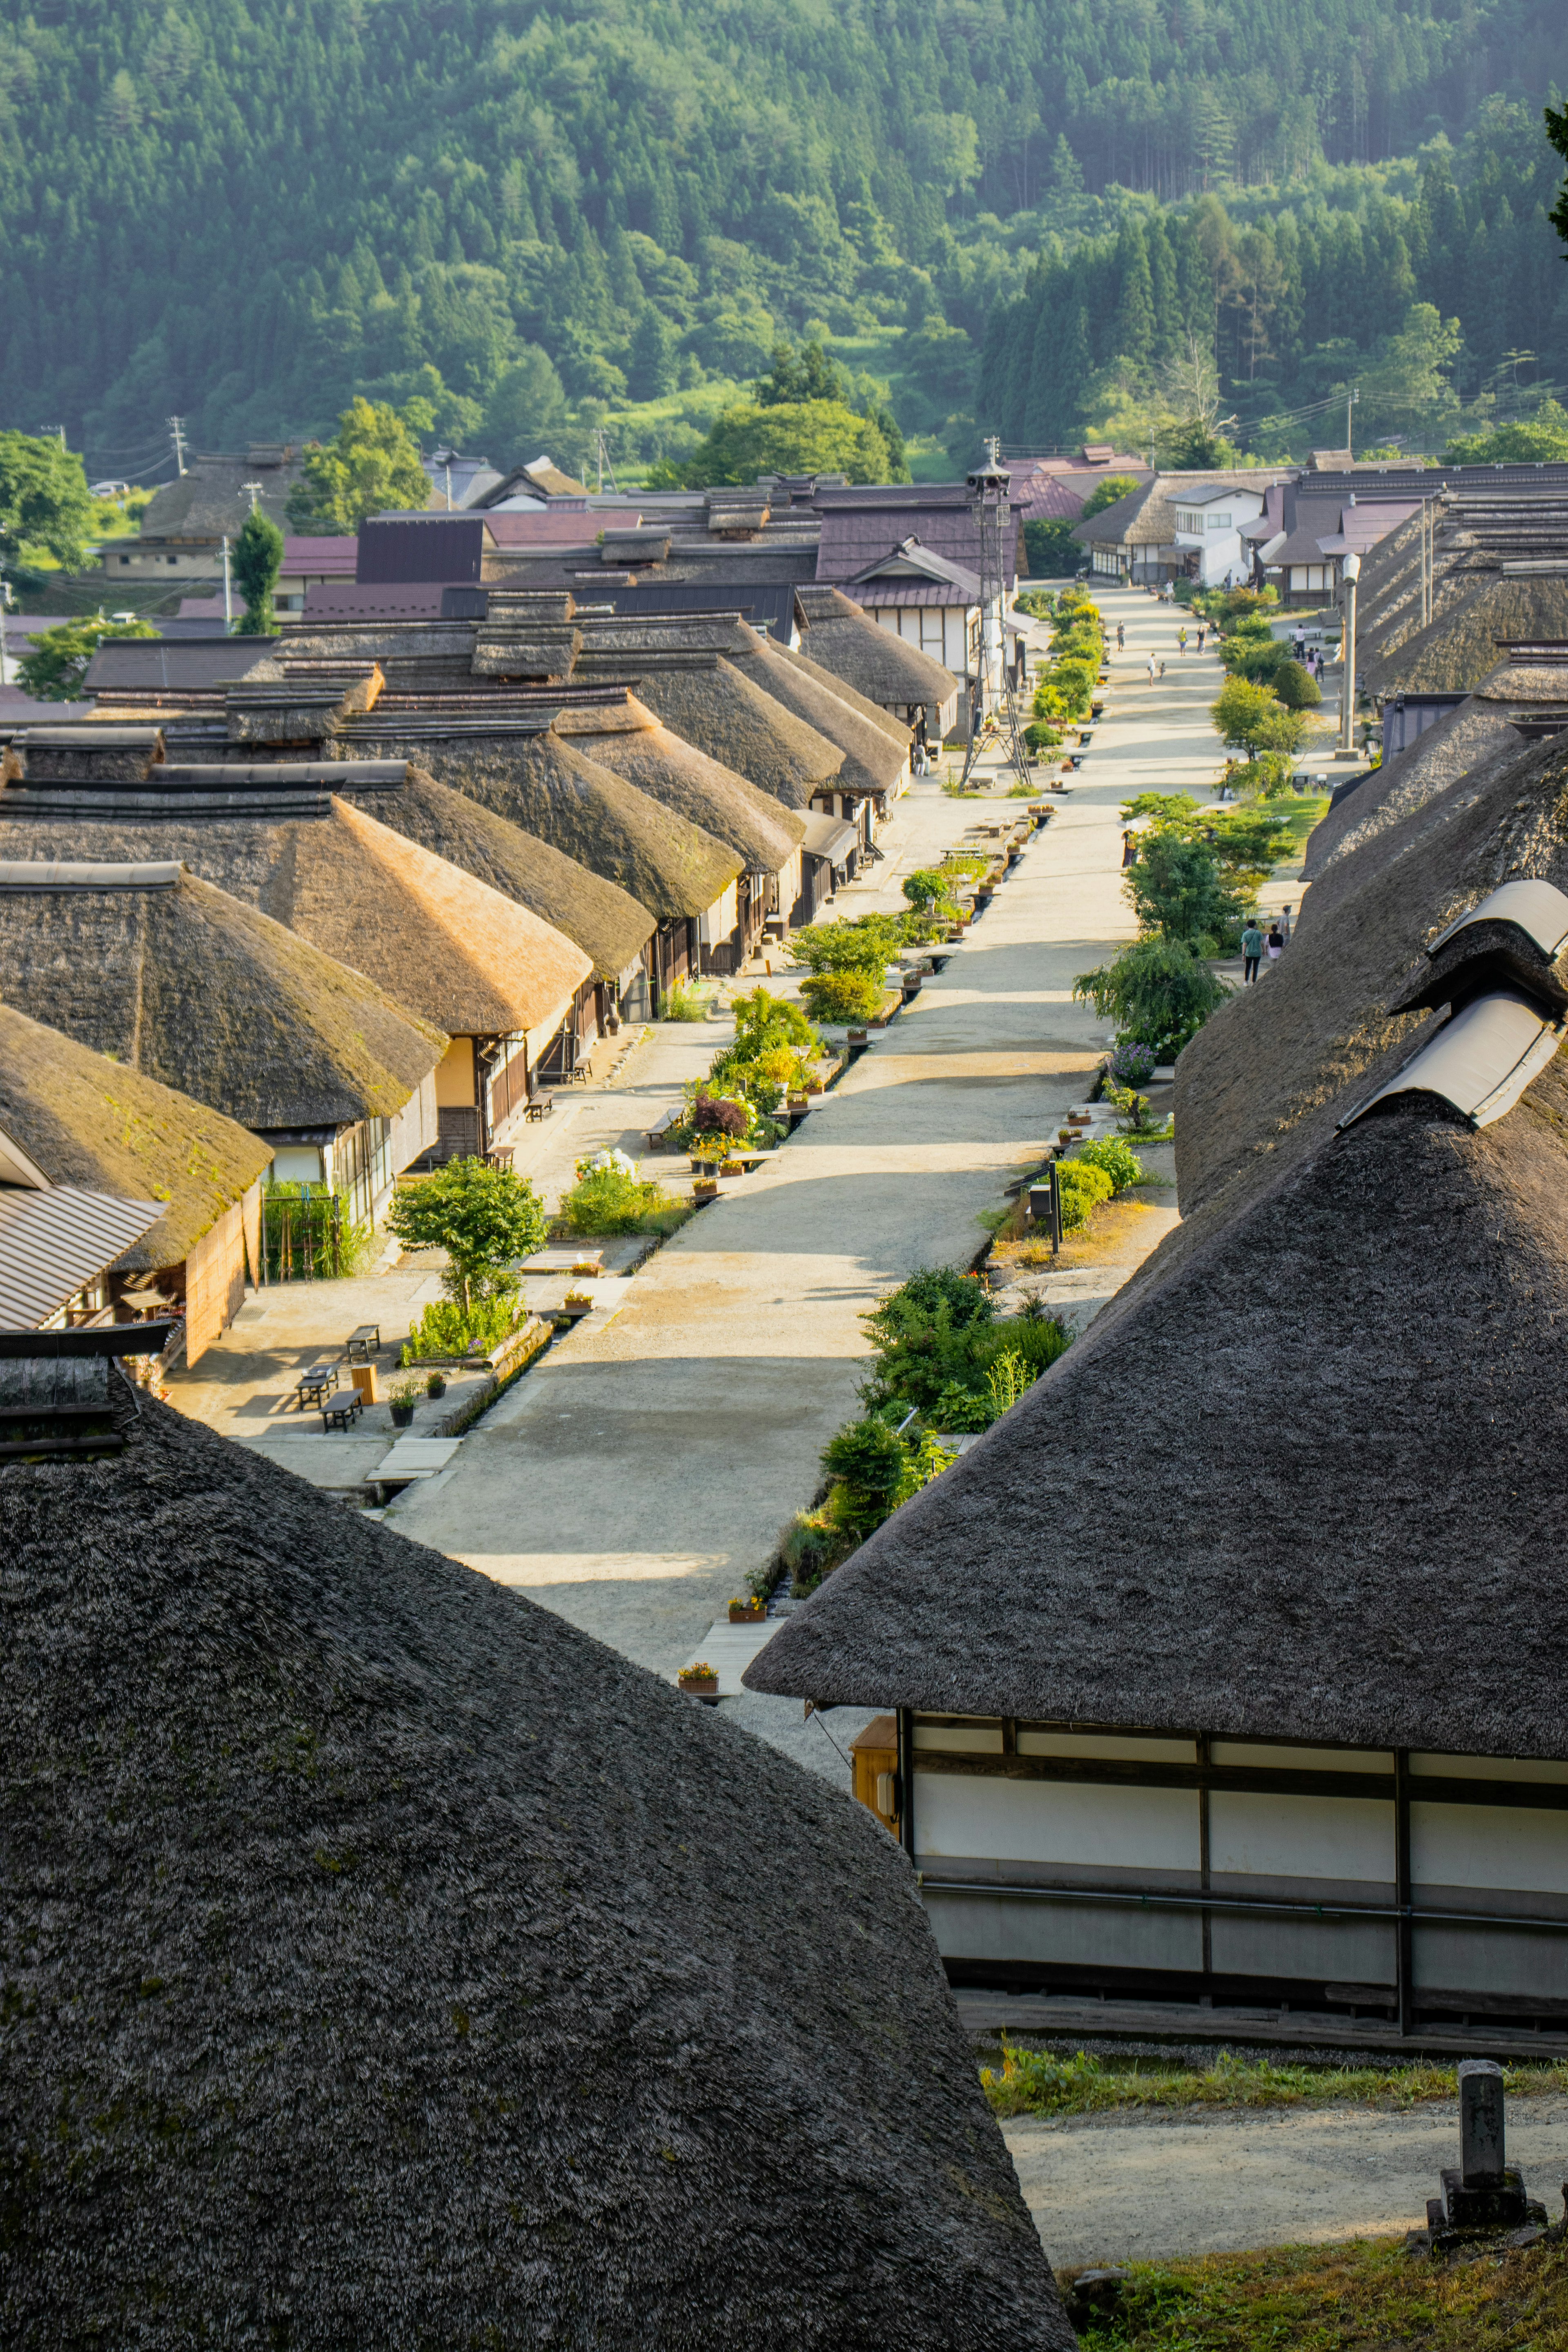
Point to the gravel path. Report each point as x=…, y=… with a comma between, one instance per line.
x=1130, y=2188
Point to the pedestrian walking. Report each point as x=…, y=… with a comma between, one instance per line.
x=1284, y=925
x=1120, y=638
x=1181, y=642
x=1251, y=949
x=1201, y=633
x=1161, y=669
x=1276, y=943
x=1129, y=848
x=1151, y=669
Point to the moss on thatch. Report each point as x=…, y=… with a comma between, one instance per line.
x=841, y=636
x=190, y=987
x=873, y=760
x=400, y=1966
x=1459, y=646
x=84, y=1119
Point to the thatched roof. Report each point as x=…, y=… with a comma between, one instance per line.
x=415, y=1969
x=631, y=741
x=83, y=1119
x=605, y=922
x=891, y=726
x=873, y=761
x=1466, y=748
x=1258, y=1085
x=454, y=952
x=543, y=784
x=181, y=982
x=1460, y=646
x=883, y=667
x=1283, y=1494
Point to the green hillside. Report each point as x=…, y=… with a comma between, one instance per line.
x=238, y=211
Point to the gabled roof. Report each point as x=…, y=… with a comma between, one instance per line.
x=211, y=496
x=85, y=1121
x=177, y=980
x=423, y=1971
x=909, y=559
x=1229, y=1507
x=1146, y=517
x=855, y=538
x=883, y=667
x=631, y=741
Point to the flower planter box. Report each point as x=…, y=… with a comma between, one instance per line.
x=705, y=1189
x=748, y=1613
x=705, y=1686
x=856, y=1037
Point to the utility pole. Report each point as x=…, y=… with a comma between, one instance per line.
x=5, y=608
x=177, y=435
x=602, y=451
x=1350, y=573
x=254, y=489
x=228, y=591
x=1351, y=399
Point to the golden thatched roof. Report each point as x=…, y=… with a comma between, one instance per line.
x=632, y=741
x=85, y=1120
x=178, y=979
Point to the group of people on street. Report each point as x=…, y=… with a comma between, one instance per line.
x=1255, y=943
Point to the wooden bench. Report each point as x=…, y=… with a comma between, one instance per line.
x=363, y=1342
x=344, y=1414
x=658, y=1135
x=318, y=1381
x=539, y=1107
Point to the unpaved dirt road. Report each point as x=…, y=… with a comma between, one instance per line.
x=1127, y=2188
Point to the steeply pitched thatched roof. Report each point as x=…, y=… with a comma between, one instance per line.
x=181, y=982
x=1283, y=1494
x=417, y=1975
x=891, y=726
x=885, y=668
x=83, y=1119
x=607, y=923
x=873, y=761
x=634, y=743
x=1460, y=646
x=212, y=497
x=539, y=783
x=455, y=952
x=1258, y=1085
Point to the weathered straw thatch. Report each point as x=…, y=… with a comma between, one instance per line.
x=403, y=1967
x=727, y=714
x=873, y=761
x=1257, y=1086
x=1459, y=646
x=453, y=951
x=181, y=982
x=840, y=637
x=1473, y=739
x=607, y=922
x=86, y=1120
x=890, y=724
x=540, y=784
x=1284, y=1494
x=628, y=739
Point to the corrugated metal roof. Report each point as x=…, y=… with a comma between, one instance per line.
x=829, y=837
x=47, y=873
x=53, y=1242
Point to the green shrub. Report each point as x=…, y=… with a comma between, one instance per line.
x=682, y=1003
x=1081, y=1187
x=445, y=1328
x=936, y=1339
x=609, y=1197
x=1113, y=1159
x=867, y=944
x=1178, y=890
x=924, y=887
x=849, y=996
x=484, y=1218
x=871, y=1468
x=811, y=1547
x=1296, y=688
x=1155, y=988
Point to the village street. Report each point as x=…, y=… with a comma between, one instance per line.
x=640, y=1475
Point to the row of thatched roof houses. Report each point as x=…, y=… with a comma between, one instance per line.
x=368, y=889
x=1226, y=1668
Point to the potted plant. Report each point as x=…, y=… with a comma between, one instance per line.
x=706, y=1188
x=405, y=1396
x=698, y=1680
x=748, y=1613
x=436, y=1386
x=576, y=1304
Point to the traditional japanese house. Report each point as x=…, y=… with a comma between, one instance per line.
x=72, y=1122
x=880, y=661
x=1216, y=1671
x=155, y=968
x=452, y=1920
x=464, y=960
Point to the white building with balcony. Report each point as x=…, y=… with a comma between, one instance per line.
x=1210, y=521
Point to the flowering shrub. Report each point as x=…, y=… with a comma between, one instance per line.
x=1132, y=1063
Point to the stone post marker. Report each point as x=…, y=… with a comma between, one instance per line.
x=1481, y=2154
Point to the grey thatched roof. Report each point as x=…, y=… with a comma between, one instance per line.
x=414, y=1970
x=1258, y=1085
x=1285, y=1493
x=540, y=784
x=1460, y=646
x=211, y=496
x=181, y=982
x=608, y=923
x=841, y=638
x=635, y=744
x=873, y=761
x=83, y=1119
x=454, y=952
x=894, y=728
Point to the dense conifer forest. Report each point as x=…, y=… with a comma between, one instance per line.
x=241, y=211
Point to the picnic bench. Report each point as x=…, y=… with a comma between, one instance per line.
x=344, y=1414
x=658, y=1135
x=361, y=1343
x=315, y=1384
x=539, y=1107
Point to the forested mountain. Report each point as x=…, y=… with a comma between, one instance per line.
x=241, y=210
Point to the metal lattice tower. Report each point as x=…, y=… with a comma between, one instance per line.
x=990, y=508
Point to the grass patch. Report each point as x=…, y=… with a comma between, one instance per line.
x=1367, y=2296
x=1043, y=2082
